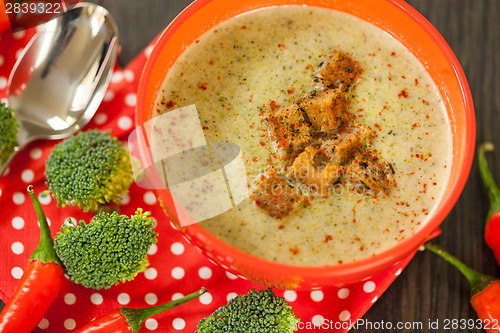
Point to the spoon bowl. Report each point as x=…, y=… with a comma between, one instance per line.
x=60, y=78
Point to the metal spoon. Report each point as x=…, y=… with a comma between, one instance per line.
x=60, y=79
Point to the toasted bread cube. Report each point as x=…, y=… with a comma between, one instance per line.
x=343, y=148
x=371, y=171
x=274, y=194
x=289, y=130
x=325, y=109
x=341, y=72
x=317, y=179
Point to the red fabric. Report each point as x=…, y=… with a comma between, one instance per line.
x=176, y=266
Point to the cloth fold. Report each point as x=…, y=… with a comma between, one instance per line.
x=176, y=268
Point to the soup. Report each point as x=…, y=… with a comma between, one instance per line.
x=259, y=63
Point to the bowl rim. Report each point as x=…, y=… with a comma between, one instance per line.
x=366, y=267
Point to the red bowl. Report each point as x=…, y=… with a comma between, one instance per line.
x=399, y=20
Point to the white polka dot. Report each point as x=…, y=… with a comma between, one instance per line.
x=19, y=34
x=44, y=199
x=27, y=176
x=17, y=247
x=398, y=272
x=369, y=286
x=177, y=248
x=151, y=299
x=374, y=299
x=317, y=295
x=230, y=296
x=151, y=324
x=179, y=324
x=124, y=123
x=131, y=99
x=96, y=299
x=18, y=198
x=117, y=77
x=177, y=296
x=148, y=50
x=153, y=249
x=177, y=273
x=205, y=273
x=290, y=295
x=125, y=199
x=206, y=298
x=49, y=222
x=36, y=153
x=17, y=272
x=18, y=223
x=43, y=324
x=70, y=220
x=343, y=293
x=123, y=298
x=231, y=276
x=18, y=53
x=70, y=299
x=70, y=324
x=100, y=118
x=3, y=82
x=344, y=315
x=129, y=75
x=2, y=60
x=151, y=273
x=318, y=320
x=149, y=198
x=108, y=96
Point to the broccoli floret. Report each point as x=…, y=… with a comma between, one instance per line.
x=112, y=248
x=256, y=312
x=90, y=170
x=8, y=132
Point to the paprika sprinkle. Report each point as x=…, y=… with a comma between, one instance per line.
x=485, y=290
x=492, y=230
x=39, y=285
x=128, y=320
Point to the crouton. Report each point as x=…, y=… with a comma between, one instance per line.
x=371, y=171
x=317, y=178
x=345, y=145
x=289, y=130
x=325, y=109
x=273, y=193
x=341, y=72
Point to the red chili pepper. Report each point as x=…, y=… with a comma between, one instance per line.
x=485, y=290
x=492, y=230
x=39, y=284
x=128, y=320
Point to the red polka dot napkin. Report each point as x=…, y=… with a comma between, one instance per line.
x=176, y=269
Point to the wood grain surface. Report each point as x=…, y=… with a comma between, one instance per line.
x=429, y=289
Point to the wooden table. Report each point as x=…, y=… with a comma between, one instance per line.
x=428, y=289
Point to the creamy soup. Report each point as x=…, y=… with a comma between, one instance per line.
x=269, y=58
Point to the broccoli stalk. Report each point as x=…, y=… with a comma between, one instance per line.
x=90, y=170
x=257, y=312
x=8, y=132
x=112, y=248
